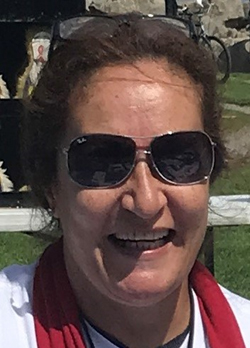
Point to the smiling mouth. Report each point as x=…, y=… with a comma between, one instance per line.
x=143, y=242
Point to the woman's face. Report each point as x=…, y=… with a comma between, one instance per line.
x=143, y=100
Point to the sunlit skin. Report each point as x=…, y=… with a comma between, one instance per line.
x=142, y=300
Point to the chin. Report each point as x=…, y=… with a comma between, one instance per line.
x=139, y=299
x=143, y=294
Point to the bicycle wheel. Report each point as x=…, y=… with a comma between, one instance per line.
x=221, y=56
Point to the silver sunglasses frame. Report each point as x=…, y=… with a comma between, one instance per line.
x=148, y=153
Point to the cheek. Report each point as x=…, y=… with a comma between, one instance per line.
x=190, y=210
x=85, y=209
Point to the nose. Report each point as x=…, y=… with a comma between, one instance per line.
x=144, y=194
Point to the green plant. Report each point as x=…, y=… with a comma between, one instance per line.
x=237, y=89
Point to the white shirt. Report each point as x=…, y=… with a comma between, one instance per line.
x=17, y=325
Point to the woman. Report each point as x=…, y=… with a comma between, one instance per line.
x=121, y=142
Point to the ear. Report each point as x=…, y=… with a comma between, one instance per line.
x=51, y=196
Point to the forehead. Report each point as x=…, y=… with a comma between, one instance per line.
x=147, y=98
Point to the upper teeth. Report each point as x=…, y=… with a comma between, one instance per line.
x=142, y=236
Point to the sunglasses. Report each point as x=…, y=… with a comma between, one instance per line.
x=106, y=160
x=67, y=29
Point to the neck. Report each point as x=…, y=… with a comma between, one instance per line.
x=146, y=327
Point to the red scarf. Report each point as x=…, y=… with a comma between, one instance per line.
x=56, y=314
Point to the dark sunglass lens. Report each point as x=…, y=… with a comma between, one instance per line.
x=183, y=157
x=100, y=160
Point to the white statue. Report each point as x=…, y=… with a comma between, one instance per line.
x=37, y=49
x=5, y=184
x=4, y=92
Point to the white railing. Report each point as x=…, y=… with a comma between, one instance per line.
x=229, y=210
x=223, y=211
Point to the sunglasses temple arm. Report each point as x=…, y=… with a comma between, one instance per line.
x=54, y=35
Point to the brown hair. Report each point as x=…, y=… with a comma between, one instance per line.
x=101, y=42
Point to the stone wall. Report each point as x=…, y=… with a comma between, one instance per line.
x=221, y=11
x=121, y=6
